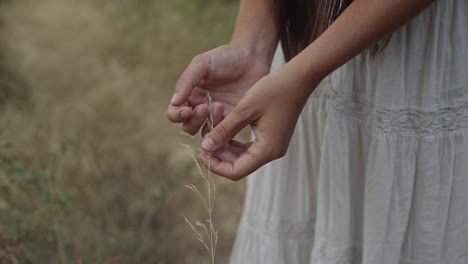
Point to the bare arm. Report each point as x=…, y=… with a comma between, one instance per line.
x=228, y=71
x=363, y=23
x=279, y=97
x=256, y=28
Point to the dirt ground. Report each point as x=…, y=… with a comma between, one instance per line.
x=90, y=169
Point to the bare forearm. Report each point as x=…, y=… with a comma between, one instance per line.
x=256, y=28
x=363, y=23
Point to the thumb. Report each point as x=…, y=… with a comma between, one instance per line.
x=228, y=128
x=198, y=69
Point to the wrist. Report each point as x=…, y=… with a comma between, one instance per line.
x=294, y=87
x=261, y=46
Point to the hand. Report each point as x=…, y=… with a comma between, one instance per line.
x=226, y=73
x=271, y=107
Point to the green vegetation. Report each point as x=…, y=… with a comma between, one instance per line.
x=90, y=170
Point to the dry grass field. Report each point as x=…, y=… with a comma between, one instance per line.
x=90, y=169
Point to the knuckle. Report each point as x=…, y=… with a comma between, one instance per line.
x=197, y=122
x=244, y=111
x=236, y=179
x=274, y=152
x=242, y=175
x=171, y=117
x=283, y=153
x=221, y=131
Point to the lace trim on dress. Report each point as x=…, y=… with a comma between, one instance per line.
x=410, y=121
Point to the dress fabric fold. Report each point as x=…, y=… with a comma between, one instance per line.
x=377, y=169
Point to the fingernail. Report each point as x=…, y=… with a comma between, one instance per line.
x=175, y=97
x=207, y=144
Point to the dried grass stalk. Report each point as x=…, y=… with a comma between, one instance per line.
x=205, y=231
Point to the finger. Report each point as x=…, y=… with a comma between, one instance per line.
x=206, y=129
x=238, y=147
x=217, y=112
x=231, y=151
x=201, y=113
x=179, y=114
x=190, y=78
x=228, y=128
x=246, y=163
x=198, y=96
x=225, y=154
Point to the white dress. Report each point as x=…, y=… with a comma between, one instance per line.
x=377, y=169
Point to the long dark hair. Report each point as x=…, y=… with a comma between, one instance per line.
x=302, y=21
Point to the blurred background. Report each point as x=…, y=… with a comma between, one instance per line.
x=90, y=169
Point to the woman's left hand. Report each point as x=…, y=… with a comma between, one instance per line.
x=271, y=107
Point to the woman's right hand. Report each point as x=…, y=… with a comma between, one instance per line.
x=226, y=72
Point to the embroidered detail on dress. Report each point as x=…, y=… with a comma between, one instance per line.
x=257, y=222
x=408, y=121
